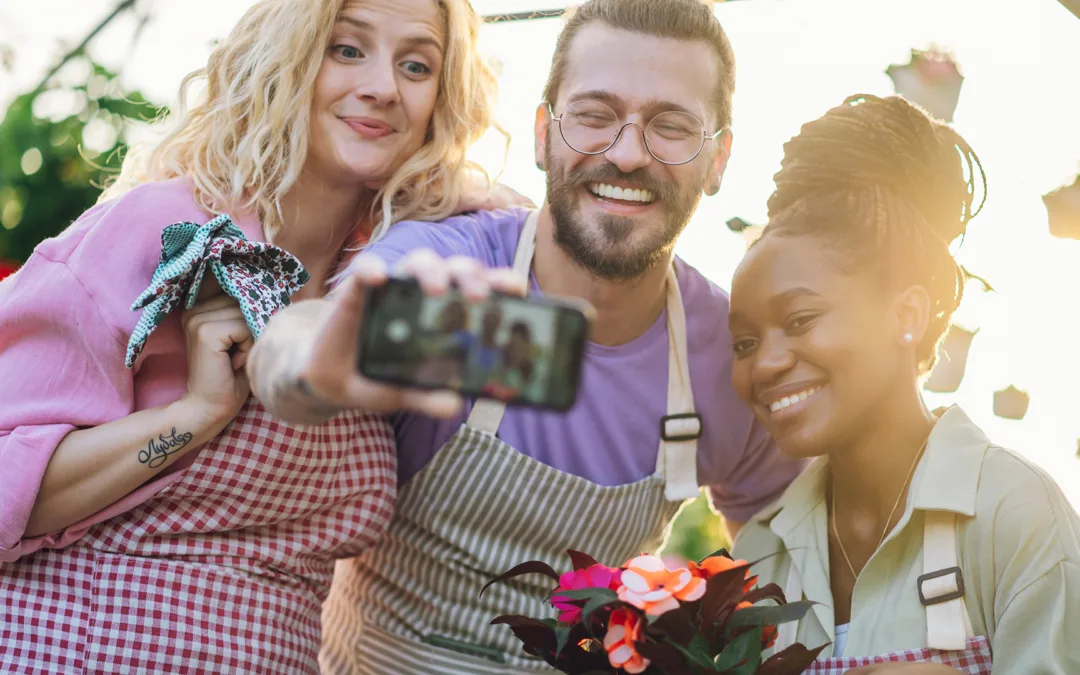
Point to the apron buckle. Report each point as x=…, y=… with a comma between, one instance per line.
x=681, y=427
x=942, y=589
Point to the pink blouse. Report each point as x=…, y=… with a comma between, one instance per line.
x=65, y=319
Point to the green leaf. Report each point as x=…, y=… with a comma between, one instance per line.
x=591, y=606
x=561, y=635
x=767, y=616
x=588, y=594
x=753, y=655
x=736, y=651
x=697, y=652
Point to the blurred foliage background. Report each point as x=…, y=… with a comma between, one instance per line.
x=59, y=145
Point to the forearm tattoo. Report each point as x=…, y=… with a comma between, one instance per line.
x=159, y=449
x=281, y=390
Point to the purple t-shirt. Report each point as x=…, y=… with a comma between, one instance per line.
x=612, y=434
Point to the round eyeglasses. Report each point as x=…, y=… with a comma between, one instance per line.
x=592, y=128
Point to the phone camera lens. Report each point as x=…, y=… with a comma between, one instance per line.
x=398, y=331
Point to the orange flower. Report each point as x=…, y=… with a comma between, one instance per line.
x=624, y=630
x=650, y=586
x=768, y=633
x=716, y=564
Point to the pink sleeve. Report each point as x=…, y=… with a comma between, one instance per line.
x=62, y=368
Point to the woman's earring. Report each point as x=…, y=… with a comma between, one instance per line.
x=908, y=338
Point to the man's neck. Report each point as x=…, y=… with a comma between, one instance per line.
x=318, y=222
x=624, y=309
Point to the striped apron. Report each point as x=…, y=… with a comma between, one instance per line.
x=411, y=605
x=950, y=639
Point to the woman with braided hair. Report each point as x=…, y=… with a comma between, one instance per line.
x=928, y=548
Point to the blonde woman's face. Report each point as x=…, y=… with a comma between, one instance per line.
x=376, y=89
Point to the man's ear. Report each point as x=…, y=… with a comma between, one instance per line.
x=719, y=163
x=540, y=132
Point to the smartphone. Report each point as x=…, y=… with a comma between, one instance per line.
x=522, y=351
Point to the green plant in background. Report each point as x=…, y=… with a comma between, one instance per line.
x=696, y=532
x=58, y=147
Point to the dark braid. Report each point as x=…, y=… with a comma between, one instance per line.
x=890, y=187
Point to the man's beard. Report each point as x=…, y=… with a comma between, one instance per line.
x=604, y=252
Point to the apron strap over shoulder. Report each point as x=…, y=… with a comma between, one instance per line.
x=487, y=414
x=681, y=427
x=941, y=586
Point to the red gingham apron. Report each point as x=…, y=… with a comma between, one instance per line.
x=223, y=571
x=950, y=638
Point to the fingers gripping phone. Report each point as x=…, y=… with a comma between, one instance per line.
x=523, y=351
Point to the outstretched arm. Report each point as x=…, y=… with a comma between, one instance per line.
x=304, y=367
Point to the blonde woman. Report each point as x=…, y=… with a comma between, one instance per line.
x=156, y=518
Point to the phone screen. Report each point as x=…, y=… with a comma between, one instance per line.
x=524, y=351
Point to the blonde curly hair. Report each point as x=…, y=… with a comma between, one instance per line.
x=243, y=137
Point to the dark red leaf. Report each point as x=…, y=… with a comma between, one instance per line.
x=531, y=567
x=664, y=657
x=581, y=560
x=722, y=591
x=677, y=625
x=791, y=661
x=766, y=592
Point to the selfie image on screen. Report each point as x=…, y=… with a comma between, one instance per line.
x=504, y=348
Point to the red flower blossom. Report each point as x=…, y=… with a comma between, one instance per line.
x=624, y=630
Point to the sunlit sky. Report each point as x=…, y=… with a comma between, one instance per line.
x=1019, y=109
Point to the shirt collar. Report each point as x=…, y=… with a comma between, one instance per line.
x=947, y=478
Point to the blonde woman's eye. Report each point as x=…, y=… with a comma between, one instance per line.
x=416, y=68
x=348, y=52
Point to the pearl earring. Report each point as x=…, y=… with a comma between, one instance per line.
x=908, y=337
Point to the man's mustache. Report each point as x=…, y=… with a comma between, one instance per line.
x=663, y=190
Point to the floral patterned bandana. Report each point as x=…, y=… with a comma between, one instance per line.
x=260, y=276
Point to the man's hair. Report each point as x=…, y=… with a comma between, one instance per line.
x=689, y=20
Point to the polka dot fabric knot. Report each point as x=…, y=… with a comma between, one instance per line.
x=261, y=277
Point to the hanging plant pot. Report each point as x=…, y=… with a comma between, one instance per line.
x=749, y=231
x=949, y=370
x=1011, y=403
x=931, y=79
x=1063, y=210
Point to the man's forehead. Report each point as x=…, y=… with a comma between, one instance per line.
x=639, y=68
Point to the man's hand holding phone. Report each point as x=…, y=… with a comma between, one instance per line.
x=328, y=371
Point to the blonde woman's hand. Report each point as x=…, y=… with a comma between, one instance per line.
x=479, y=196
x=218, y=342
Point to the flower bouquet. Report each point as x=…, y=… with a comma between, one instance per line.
x=645, y=617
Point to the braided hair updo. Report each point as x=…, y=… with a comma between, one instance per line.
x=889, y=188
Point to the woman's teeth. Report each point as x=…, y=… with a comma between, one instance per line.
x=624, y=194
x=793, y=399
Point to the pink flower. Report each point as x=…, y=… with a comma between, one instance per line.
x=649, y=585
x=594, y=576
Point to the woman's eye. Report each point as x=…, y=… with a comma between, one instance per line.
x=742, y=347
x=416, y=68
x=348, y=52
x=802, y=321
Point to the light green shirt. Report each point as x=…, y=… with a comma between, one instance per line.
x=1018, y=547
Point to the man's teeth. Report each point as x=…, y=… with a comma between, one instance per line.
x=793, y=399
x=625, y=194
